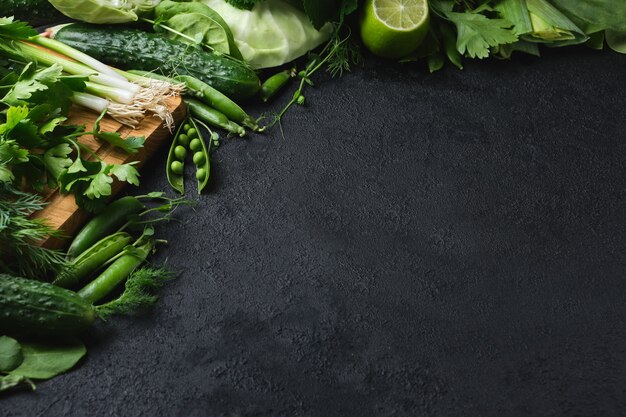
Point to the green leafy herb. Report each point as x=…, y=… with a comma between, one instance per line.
x=44, y=361
x=138, y=292
x=20, y=253
x=131, y=144
x=10, y=354
x=8, y=382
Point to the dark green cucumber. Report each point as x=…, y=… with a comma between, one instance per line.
x=37, y=308
x=35, y=12
x=139, y=50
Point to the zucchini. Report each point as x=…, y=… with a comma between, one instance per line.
x=138, y=50
x=35, y=12
x=36, y=308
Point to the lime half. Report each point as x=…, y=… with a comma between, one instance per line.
x=394, y=28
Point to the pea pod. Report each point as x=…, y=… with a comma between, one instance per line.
x=108, y=221
x=116, y=273
x=202, y=160
x=275, y=83
x=218, y=101
x=213, y=117
x=92, y=259
x=175, y=176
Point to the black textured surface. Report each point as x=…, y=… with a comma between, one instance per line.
x=419, y=245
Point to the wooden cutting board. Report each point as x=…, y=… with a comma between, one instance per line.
x=62, y=213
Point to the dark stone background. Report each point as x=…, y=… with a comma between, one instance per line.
x=417, y=245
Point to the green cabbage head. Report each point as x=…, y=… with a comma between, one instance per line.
x=104, y=11
x=273, y=33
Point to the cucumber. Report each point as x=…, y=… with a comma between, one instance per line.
x=36, y=308
x=139, y=50
x=35, y=12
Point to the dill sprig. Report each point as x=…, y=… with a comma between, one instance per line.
x=20, y=253
x=139, y=292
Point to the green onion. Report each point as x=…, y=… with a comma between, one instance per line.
x=75, y=54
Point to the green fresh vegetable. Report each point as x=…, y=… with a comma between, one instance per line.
x=138, y=292
x=92, y=259
x=195, y=145
x=108, y=221
x=218, y=101
x=183, y=139
x=135, y=49
x=44, y=361
x=287, y=32
x=551, y=26
x=180, y=153
x=116, y=273
x=10, y=354
x=20, y=253
x=318, y=11
x=594, y=15
x=104, y=11
x=175, y=174
x=201, y=157
x=275, y=83
x=213, y=117
x=196, y=23
x=175, y=161
x=177, y=167
x=8, y=382
x=38, y=308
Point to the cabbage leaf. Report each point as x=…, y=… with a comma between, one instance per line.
x=272, y=33
x=104, y=11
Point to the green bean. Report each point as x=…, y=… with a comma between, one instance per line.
x=275, y=83
x=92, y=259
x=213, y=117
x=114, y=216
x=218, y=101
x=116, y=273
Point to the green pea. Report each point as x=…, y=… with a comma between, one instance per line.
x=183, y=139
x=186, y=127
x=198, y=158
x=200, y=174
x=177, y=167
x=192, y=133
x=195, y=145
x=180, y=153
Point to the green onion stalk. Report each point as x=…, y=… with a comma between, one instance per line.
x=106, y=89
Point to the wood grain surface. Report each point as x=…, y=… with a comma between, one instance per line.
x=62, y=213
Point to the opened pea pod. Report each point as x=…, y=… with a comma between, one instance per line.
x=189, y=140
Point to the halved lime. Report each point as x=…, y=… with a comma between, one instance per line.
x=394, y=28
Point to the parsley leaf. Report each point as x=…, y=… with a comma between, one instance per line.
x=99, y=186
x=126, y=173
x=15, y=29
x=131, y=144
x=477, y=33
x=57, y=159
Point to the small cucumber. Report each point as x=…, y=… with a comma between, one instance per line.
x=139, y=50
x=36, y=308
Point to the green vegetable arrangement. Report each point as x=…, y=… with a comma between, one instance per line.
x=44, y=319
